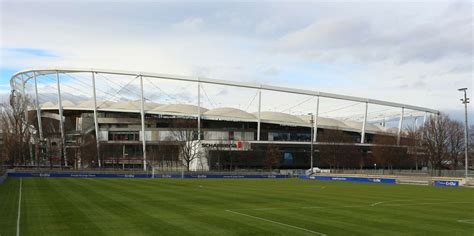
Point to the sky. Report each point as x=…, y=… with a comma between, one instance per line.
x=417, y=53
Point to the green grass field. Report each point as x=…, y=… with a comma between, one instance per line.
x=73, y=206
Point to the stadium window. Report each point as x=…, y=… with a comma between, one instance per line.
x=288, y=158
x=124, y=136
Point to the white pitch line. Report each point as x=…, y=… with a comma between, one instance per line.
x=276, y=222
x=425, y=203
x=467, y=221
x=19, y=211
x=378, y=203
x=405, y=200
x=384, y=204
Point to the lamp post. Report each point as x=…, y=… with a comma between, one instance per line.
x=312, y=141
x=465, y=101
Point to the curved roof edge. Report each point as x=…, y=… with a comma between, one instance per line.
x=46, y=71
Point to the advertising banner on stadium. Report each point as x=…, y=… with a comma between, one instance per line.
x=113, y=175
x=236, y=145
x=355, y=179
x=446, y=183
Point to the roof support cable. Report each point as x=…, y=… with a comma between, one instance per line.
x=122, y=88
x=162, y=91
x=213, y=104
x=251, y=101
x=300, y=103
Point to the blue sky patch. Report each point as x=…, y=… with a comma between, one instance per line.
x=6, y=74
x=31, y=51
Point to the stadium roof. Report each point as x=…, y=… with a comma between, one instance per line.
x=26, y=75
x=228, y=112
x=280, y=117
x=134, y=105
x=179, y=108
x=223, y=113
x=21, y=78
x=68, y=103
x=358, y=126
x=326, y=122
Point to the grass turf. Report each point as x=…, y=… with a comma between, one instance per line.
x=74, y=206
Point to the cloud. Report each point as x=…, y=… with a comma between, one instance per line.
x=418, y=54
x=271, y=71
x=189, y=25
x=358, y=39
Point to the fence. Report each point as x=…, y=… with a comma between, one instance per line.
x=427, y=173
x=142, y=174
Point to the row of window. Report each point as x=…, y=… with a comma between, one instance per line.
x=209, y=135
x=124, y=136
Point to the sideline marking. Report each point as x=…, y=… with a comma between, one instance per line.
x=352, y=206
x=276, y=222
x=467, y=221
x=19, y=211
x=405, y=200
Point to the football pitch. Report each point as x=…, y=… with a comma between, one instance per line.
x=95, y=206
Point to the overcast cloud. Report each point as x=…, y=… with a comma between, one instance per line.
x=416, y=53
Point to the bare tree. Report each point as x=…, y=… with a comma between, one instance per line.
x=88, y=150
x=184, y=135
x=385, y=153
x=15, y=130
x=272, y=157
x=332, y=150
x=414, y=142
x=437, y=138
x=456, y=142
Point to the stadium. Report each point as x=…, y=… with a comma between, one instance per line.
x=131, y=153
x=98, y=126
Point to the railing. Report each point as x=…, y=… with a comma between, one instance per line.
x=289, y=172
x=140, y=171
x=427, y=173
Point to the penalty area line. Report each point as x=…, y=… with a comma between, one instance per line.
x=275, y=222
x=19, y=210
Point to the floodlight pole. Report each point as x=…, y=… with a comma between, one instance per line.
x=316, y=122
x=142, y=110
x=61, y=120
x=465, y=101
x=96, y=121
x=259, y=111
x=364, y=124
x=199, y=110
x=400, y=123
x=312, y=141
x=38, y=109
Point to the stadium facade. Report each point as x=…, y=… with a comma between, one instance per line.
x=142, y=133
